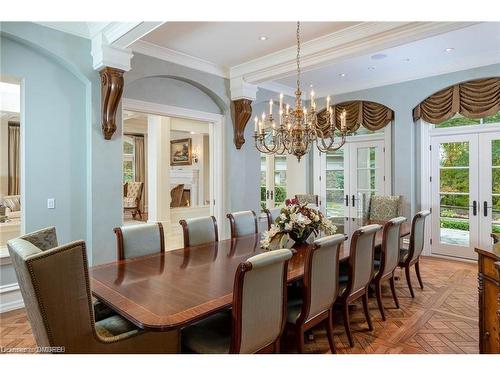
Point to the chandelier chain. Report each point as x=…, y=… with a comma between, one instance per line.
x=298, y=56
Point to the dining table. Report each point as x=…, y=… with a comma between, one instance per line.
x=170, y=290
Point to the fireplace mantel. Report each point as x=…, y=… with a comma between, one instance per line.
x=189, y=177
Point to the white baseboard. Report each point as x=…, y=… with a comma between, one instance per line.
x=10, y=298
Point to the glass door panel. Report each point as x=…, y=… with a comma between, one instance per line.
x=335, y=189
x=279, y=180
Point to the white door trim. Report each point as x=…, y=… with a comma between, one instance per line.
x=217, y=154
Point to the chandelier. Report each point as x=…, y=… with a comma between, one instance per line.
x=298, y=128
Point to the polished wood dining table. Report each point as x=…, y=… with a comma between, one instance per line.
x=166, y=291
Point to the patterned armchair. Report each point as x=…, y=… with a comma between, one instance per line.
x=132, y=198
x=384, y=207
x=13, y=206
x=309, y=199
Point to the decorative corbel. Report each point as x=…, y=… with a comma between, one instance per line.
x=111, y=93
x=242, y=110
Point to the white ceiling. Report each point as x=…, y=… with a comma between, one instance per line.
x=474, y=46
x=232, y=43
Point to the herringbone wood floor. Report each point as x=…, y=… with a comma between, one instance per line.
x=442, y=318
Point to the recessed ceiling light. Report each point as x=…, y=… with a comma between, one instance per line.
x=371, y=68
x=406, y=60
x=378, y=56
x=342, y=75
x=263, y=37
x=449, y=49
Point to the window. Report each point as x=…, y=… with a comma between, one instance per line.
x=128, y=159
x=459, y=120
x=272, y=181
x=279, y=180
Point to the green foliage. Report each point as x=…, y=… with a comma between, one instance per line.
x=279, y=195
x=452, y=224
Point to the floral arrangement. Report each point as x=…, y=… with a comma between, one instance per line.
x=298, y=222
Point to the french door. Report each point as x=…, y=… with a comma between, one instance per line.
x=348, y=177
x=465, y=191
x=273, y=170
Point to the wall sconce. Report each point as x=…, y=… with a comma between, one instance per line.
x=194, y=157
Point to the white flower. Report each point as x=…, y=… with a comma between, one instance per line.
x=288, y=226
x=283, y=216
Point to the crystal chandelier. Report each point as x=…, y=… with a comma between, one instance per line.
x=297, y=128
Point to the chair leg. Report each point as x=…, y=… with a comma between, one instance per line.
x=393, y=289
x=329, y=332
x=277, y=346
x=299, y=333
x=345, y=316
x=408, y=280
x=378, y=292
x=367, y=312
x=417, y=270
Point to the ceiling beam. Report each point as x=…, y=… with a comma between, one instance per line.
x=357, y=40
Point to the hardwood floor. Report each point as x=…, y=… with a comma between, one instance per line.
x=442, y=318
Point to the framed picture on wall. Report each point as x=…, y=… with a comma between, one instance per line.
x=180, y=152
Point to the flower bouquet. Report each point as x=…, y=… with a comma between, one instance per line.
x=298, y=222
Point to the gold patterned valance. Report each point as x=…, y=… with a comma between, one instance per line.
x=473, y=99
x=373, y=116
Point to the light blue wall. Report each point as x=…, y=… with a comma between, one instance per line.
x=402, y=98
x=66, y=155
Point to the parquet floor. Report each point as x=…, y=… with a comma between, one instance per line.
x=442, y=318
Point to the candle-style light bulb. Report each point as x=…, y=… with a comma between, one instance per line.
x=271, y=107
x=281, y=115
x=256, y=123
x=287, y=109
x=281, y=101
x=343, y=120
x=328, y=102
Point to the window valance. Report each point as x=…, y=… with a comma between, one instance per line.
x=371, y=115
x=472, y=99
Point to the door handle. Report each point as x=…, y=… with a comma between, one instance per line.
x=267, y=194
x=474, y=208
x=272, y=194
x=485, y=208
x=353, y=200
x=347, y=200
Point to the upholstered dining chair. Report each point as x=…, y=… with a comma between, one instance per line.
x=411, y=256
x=46, y=239
x=384, y=207
x=137, y=240
x=272, y=214
x=54, y=283
x=257, y=320
x=199, y=231
x=309, y=199
x=132, y=198
x=319, y=292
x=389, y=260
x=243, y=223
x=356, y=279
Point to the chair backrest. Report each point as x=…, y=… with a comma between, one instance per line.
x=176, y=195
x=13, y=202
x=199, y=231
x=259, y=301
x=243, y=223
x=44, y=239
x=137, y=240
x=321, y=276
x=361, y=255
x=134, y=189
x=390, y=245
x=272, y=214
x=307, y=199
x=417, y=235
x=384, y=207
x=55, y=287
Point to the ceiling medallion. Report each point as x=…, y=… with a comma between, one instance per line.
x=297, y=128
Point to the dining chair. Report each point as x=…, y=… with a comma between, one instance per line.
x=389, y=260
x=271, y=214
x=46, y=239
x=243, y=223
x=257, y=320
x=319, y=292
x=138, y=240
x=54, y=283
x=384, y=207
x=309, y=199
x=355, y=280
x=199, y=231
x=411, y=256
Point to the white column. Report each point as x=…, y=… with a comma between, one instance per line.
x=159, y=169
x=296, y=175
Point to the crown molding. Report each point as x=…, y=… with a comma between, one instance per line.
x=363, y=38
x=179, y=58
